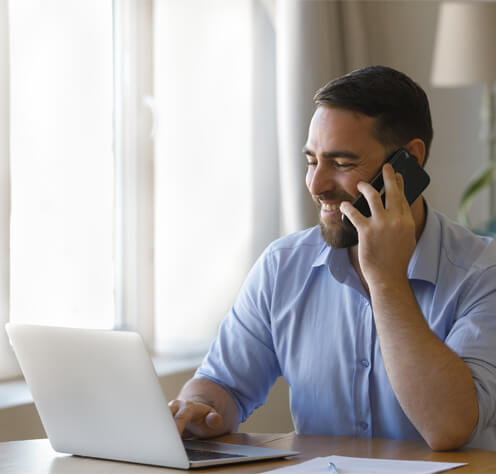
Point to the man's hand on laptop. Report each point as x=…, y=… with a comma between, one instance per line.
x=204, y=409
x=196, y=419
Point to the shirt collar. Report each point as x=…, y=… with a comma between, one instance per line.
x=423, y=264
x=425, y=259
x=323, y=256
x=336, y=260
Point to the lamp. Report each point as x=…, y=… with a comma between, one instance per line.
x=465, y=54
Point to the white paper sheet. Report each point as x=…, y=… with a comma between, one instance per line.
x=349, y=465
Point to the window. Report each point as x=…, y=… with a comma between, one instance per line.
x=121, y=217
x=61, y=71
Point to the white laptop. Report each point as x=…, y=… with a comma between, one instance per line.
x=98, y=395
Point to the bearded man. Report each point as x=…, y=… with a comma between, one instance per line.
x=392, y=336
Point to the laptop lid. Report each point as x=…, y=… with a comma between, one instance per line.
x=98, y=395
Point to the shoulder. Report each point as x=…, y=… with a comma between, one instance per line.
x=307, y=243
x=294, y=253
x=464, y=249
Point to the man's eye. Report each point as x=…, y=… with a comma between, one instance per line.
x=342, y=165
x=311, y=164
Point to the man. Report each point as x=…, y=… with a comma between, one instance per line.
x=393, y=337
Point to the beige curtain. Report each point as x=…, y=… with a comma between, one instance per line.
x=316, y=41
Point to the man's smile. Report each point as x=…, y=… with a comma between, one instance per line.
x=329, y=212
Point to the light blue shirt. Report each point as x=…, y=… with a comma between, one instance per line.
x=303, y=313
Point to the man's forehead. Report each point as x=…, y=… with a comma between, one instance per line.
x=332, y=123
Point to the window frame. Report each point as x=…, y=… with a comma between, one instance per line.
x=134, y=157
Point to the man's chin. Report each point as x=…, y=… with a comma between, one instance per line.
x=339, y=235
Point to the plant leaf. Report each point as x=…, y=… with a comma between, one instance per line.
x=481, y=181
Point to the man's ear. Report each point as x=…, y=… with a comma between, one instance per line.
x=416, y=147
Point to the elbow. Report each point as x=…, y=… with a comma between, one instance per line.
x=454, y=433
x=444, y=444
x=448, y=440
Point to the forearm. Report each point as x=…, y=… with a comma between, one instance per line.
x=205, y=391
x=433, y=385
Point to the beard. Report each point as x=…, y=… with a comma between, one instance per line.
x=336, y=234
x=339, y=236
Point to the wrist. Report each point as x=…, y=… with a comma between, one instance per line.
x=390, y=286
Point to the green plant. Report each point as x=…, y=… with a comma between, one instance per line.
x=481, y=181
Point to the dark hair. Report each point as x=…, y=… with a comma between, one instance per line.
x=400, y=106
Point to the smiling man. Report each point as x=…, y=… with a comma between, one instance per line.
x=391, y=336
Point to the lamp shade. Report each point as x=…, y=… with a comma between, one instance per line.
x=465, y=48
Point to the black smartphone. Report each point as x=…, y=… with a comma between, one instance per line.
x=414, y=176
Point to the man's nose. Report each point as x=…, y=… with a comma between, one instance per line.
x=321, y=180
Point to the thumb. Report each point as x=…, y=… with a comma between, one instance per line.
x=213, y=420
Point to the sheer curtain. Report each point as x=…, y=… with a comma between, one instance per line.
x=203, y=173
x=233, y=88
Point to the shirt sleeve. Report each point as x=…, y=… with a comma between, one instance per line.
x=242, y=359
x=473, y=339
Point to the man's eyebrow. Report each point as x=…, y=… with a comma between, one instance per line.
x=332, y=154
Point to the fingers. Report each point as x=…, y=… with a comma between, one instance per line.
x=372, y=196
x=394, y=186
x=353, y=214
x=182, y=414
x=373, y=199
x=401, y=186
x=395, y=198
x=213, y=420
x=188, y=412
x=174, y=406
x=197, y=418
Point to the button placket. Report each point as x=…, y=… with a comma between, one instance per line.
x=364, y=356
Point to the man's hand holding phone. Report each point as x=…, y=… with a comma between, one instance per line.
x=386, y=240
x=382, y=218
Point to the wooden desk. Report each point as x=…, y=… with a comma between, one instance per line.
x=37, y=457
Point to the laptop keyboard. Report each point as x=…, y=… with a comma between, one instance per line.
x=202, y=455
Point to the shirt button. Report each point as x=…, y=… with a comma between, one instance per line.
x=364, y=362
x=363, y=425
